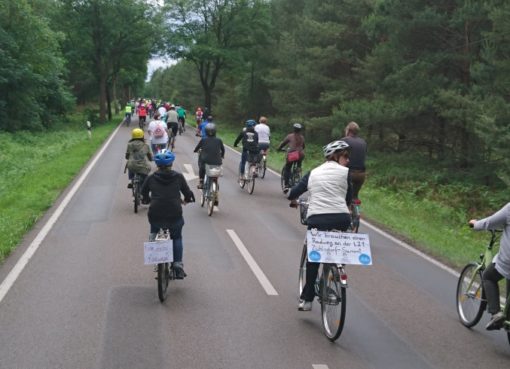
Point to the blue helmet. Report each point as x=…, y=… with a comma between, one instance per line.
x=250, y=123
x=164, y=159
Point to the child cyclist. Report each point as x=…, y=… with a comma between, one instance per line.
x=138, y=155
x=165, y=210
x=500, y=266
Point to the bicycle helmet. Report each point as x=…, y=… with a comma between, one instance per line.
x=297, y=127
x=250, y=123
x=334, y=147
x=210, y=129
x=164, y=159
x=136, y=133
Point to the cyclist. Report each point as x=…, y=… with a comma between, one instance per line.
x=128, y=111
x=201, y=128
x=165, y=210
x=358, y=154
x=264, y=133
x=158, y=134
x=250, y=141
x=500, y=266
x=142, y=115
x=328, y=204
x=181, y=116
x=211, y=151
x=138, y=155
x=295, y=142
x=198, y=116
x=172, y=123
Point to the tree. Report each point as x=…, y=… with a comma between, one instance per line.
x=211, y=34
x=32, y=88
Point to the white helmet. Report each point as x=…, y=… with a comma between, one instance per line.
x=335, y=146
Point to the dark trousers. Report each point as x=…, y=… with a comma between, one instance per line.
x=322, y=222
x=288, y=167
x=491, y=277
x=357, y=178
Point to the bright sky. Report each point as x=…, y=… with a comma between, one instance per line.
x=156, y=63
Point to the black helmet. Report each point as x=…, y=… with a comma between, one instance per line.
x=210, y=129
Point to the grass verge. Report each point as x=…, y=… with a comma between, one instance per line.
x=35, y=168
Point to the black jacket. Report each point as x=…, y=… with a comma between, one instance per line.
x=212, y=150
x=165, y=187
x=250, y=140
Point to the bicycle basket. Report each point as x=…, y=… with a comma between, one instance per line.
x=213, y=170
x=303, y=211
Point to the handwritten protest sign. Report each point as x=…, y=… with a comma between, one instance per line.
x=338, y=247
x=158, y=252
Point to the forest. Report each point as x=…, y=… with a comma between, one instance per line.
x=424, y=78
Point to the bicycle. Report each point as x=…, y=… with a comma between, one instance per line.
x=294, y=177
x=250, y=173
x=127, y=120
x=164, y=271
x=182, y=126
x=355, y=209
x=471, y=300
x=210, y=191
x=330, y=287
x=141, y=122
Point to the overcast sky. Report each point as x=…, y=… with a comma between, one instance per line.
x=156, y=63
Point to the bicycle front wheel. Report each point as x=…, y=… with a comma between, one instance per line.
x=334, y=303
x=163, y=277
x=471, y=300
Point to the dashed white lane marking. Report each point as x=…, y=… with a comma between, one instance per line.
x=8, y=282
x=319, y=366
x=268, y=287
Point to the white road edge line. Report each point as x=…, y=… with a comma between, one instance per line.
x=268, y=287
x=412, y=249
x=396, y=240
x=320, y=366
x=9, y=280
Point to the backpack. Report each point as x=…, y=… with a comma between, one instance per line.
x=159, y=131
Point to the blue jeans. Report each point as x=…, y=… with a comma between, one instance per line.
x=175, y=234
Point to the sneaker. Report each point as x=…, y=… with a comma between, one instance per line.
x=146, y=201
x=130, y=185
x=285, y=189
x=304, y=305
x=178, y=270
x=496, y=321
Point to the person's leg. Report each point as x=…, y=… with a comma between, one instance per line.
x=286, y=174
x=490, y=278
x=154, y=229
x=176, y=235
x=244, y=155
x=201, y=173
x=358, y=178
x=311, y=275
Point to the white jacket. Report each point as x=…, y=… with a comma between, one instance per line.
x=328, y=185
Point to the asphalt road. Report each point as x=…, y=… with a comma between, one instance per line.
x=85, y=299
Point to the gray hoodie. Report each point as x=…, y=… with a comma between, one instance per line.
x=499, y=220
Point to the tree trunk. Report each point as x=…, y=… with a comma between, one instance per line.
x=102, y=96
x=109, y=103
x=114, y=96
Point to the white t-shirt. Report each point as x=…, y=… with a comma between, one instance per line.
x=264, y=132
x=152, y=127
x=161, y=110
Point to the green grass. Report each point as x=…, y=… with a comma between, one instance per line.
x=412, y=200
x=35, y=167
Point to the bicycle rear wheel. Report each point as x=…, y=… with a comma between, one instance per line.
x=264, y=167
x=136, y=195
x=211, y=198
x=251, y=185
x=163, y=277
x=471, y=300
x=302, y=269
x=333, y=302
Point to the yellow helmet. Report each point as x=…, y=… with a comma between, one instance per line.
x=137, y=133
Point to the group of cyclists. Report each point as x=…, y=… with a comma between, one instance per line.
x=331, y=186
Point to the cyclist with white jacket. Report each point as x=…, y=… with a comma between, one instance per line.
x=328, y=204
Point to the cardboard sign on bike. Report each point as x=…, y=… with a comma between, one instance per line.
x=338, y=247
x=158, y=252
